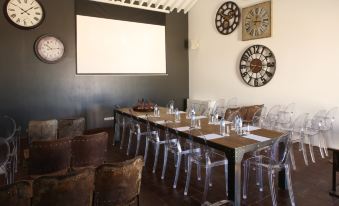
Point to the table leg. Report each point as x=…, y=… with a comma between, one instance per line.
x=282, y=174
x=234, y=176
x=333, y=192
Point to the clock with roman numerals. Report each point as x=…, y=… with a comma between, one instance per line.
x=257, y=65
x=256, y=21
x=24, y=14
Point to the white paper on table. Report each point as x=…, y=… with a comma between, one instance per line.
x=256, y=137
x=182, y=129
x=218, y=123
x=251, y=128
x=163, y=122
x=143, y=116
x=197, y=117
x=211, y=136
x=182, y=112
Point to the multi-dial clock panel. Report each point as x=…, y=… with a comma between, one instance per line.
x=257, y=65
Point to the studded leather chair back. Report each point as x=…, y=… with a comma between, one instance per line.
x=17, y=194
x=73, y=189
x=42, y=130
x=49, y=156
x=119, y=183
x=89, y=150
x=71, y=127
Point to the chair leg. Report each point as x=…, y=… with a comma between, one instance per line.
x=207, y=180
x=310, y=146
x=165, y=162
x=259, y=171
x=245, y=181
x=157, y=146
x=116, y=132
x=226, y=178
x=129, y=142
x=289, y=184
x=188, y=175
x=210, y=184
x=199, y=171
x=146, y=150
x=177, y=172
x=123, y=133
x=271, y=181
x=324, y=141
x=138, y=144
x=303, y=149
x=320, y=147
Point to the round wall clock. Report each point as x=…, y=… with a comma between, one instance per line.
x=24, y=14
x=257, y=65
x=49, y=49
x=256, y=21
x=227, y=18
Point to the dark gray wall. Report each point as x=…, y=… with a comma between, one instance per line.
x=31, y=89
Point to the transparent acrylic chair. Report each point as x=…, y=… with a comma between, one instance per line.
x=285, y=117
x=326, y=127
x=271, y=118
x=207, y=159
x=5, y=168
x=201, y=107
x=219, y=108
x=179, y=148
x=259, y=117
x=273, y=163
x=232, y=103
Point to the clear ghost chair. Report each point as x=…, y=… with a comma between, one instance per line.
x=273, y=163
x=271, y=117
x=179, y=148
x=259, y=117
x=285, y=116
x=4, y=160
x=219, y=108
x=326, y=127
x=206, y=158
x=232, y=103
x=201, y=107
x=123, y=122
x=313, y=130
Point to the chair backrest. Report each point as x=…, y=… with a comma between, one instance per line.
x=231, y=113
x=299, y=124
x=89, y=150
x=17, y=194
x=232, y=103
x=42, y=130
x=73, y=189
x=201, y=107
x=71, y=127
x=272, y=117
x=330, y=117
x=49, y=156
x=4, y=152
x=280, y=150
x=259, y=116
x=7, y=127
x=317, y=120
x=219, y=108
x=118, y=183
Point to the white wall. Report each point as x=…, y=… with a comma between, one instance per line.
x=305, y=41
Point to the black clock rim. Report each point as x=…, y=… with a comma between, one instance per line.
x=37, y=52
x=23, y=27
x=275, y=67
x=232, y=2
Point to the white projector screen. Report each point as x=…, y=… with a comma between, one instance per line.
x=107, y=46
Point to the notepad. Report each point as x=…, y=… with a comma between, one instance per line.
x=163, y=121
x=182, y=129
x=197, y=117
x=211, y=136
x=256, y=137
x=218, y=123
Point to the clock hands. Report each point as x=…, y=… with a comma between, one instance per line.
x=26, y=11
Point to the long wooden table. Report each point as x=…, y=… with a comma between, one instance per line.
x=234, y=146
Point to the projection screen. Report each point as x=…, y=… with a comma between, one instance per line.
x=107, y=46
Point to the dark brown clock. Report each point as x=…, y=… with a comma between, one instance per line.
x=227, y=18
x=257, y=65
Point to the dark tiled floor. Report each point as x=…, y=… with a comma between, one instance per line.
x=311, y=183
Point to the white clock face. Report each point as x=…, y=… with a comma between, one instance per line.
x=25, y=13
x=49, y=49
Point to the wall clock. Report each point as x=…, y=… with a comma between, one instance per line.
x=256, y=21
x=257, y=65
x=24, y=14
x=49, y=49
x=227, y=18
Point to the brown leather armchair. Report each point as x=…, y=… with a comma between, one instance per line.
x=71, y=127
x=74, y=189
x=42, y=130
x=89, y=150
x=118, y=184
x=17, y=194
x=49, y=156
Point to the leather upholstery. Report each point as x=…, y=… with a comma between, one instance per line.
x=246, y=112
x=71, y=127
x=89, y=150
x=17, y=194
x=74, y=189
x=118, y=184
x=42, y=130
x=49, y=156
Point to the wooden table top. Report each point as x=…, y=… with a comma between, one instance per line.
x=234, y=141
